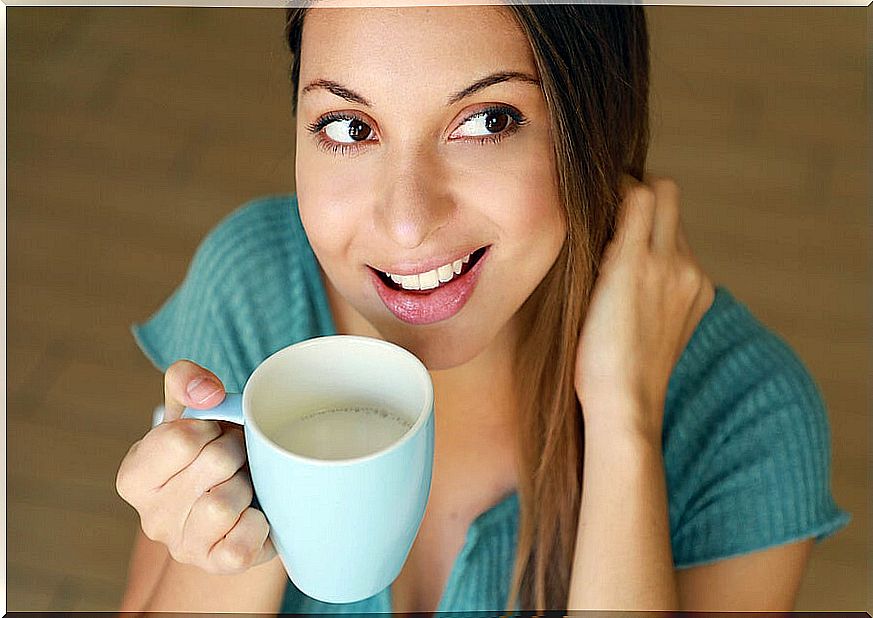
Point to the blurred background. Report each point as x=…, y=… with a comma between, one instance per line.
x=133, y=131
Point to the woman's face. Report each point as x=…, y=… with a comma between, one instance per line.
x=423, y=137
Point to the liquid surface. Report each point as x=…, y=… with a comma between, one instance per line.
x=341, y=433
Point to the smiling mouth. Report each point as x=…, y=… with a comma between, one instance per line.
x=465, y=268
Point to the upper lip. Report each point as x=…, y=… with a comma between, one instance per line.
x=416, y=267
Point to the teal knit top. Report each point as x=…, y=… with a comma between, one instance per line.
x=746, y=440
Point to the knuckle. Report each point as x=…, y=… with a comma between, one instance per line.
x=690, y=277
x=127, y=480
x=259, y=522
x=123, y=483
x=217, y=507
x=235, y=557
x=153, y=528
x=247, y=490
x=220, y=458
x=180, y=554
x=193, y=550
x=644, y=196
x=237, y=493
x=184, y=438
x=182, y=442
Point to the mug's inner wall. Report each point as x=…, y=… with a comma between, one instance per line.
x=336, y=373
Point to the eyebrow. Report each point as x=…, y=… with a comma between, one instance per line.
x=480, y=84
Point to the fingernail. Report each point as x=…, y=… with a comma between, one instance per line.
x=201, y=389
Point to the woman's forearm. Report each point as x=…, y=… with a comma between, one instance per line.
x=623, y=559
x=184, y=588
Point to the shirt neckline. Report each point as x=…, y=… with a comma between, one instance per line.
x=507, y=506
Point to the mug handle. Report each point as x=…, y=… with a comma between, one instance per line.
x=228, y=410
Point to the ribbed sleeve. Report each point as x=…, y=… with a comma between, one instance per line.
x=249, y=291
x=747, y=443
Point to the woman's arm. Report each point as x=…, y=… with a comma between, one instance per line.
x=147, y=562
x=156, y=582
x=623, y=559
x=649, y=297
x=765, y=580
x=623, y=556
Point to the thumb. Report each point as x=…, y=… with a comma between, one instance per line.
x=188, y=385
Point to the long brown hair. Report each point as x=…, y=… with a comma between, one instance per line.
x=593, y=64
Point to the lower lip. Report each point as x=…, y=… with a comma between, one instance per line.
x=428, y=307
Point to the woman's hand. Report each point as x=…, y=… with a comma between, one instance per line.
x=188, y=481
x=648, y=298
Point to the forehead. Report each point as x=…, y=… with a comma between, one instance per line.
x=411, y=47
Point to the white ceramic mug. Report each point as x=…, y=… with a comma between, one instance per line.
x=342, y=527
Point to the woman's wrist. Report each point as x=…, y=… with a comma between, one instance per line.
x=621, y=419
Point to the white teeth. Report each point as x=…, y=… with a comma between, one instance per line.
x=432, y=278
x=409, y=282
x=428, y=280
x=444, y=273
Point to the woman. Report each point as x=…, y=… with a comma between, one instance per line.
x=470, y=185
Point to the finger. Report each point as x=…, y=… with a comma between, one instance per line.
x=217, y=462
x=666, y=215
x=247, y=543
x=164, y=451
x=636, y=217
x=702, y=303
x=682, y=240
x=187, y=384
x=215, y=512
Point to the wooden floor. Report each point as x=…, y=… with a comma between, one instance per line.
x=131, y=132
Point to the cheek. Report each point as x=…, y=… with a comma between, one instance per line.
x=330, y=204
x=521, y=197
x=540, y=201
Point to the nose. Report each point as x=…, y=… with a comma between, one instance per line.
x=416, y=201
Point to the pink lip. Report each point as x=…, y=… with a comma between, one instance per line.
x=427, y=307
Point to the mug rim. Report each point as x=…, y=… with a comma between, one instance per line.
x=423, y=416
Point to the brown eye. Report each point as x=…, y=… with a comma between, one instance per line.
x=491, y=124
x=495, y=122
x=358, y=130
x=344, y=129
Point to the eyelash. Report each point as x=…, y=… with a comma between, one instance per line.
x=330, y=146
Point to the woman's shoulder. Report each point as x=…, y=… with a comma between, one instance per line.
x=252, y=287
x=746, y=442
x=256, y=251
x=733, y=363
x=256, y=248
x=253, y=231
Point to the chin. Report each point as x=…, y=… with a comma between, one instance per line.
x=438, y=347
